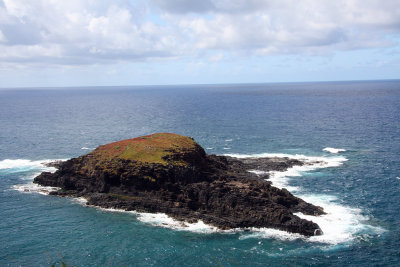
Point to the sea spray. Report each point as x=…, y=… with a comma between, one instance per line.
x=334, y=150
x=24, y=165
x=340, y=224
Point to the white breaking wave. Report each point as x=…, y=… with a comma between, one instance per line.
x=86, y=148
x=282, y=179
x=163, y=220
x=34, y=188
x=272, y=233
x=320, y=162
x=23, y=165
x=80, y=200
x=341, y=224
x=26, y=165
x=334, y=150
x=158, y=219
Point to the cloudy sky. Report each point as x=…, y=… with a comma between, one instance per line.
x=134, y=42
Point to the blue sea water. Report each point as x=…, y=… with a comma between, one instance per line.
x=359, y=187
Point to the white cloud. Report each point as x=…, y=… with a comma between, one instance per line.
x=290, y=26
x=216, y=58
x=78, y=32
x=100, y=31
x=217, y=6
x=2, y=37
x=17, y=8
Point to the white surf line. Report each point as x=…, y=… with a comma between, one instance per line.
x=38, y=166
x=23, y=165
x=341, y=223
x=334, y=150
x=34, y=188
x=312, y=163
x=157, y=219
x=165, y=221
x=26, y=165
x=282, y=179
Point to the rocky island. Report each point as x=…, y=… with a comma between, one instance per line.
x=172, y=174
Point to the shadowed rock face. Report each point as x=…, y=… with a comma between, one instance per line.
x=172, y=174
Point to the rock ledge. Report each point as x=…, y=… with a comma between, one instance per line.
x=172, y=174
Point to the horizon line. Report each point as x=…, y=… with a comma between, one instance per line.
x=192, y=84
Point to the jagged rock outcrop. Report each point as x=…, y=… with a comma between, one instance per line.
x=172, y=174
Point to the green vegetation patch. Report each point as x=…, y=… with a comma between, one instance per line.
x=153, y=148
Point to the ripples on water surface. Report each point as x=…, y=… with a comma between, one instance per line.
x=354, y=126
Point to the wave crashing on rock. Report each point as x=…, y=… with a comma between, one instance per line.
x=172, y=174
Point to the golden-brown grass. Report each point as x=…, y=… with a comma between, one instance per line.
x=153, y=148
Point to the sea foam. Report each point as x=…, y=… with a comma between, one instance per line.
x=282, y=179
x=163, y=220
x=21, y=165
x=341, y=224
x=34, y=188
x=334, y=150
x=29, y=169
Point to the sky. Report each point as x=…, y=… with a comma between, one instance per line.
x=45, y=43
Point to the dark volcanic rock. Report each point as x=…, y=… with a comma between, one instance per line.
x=172, y=174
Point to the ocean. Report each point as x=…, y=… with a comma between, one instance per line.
x=351, y=128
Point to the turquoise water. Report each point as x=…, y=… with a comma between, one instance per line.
x=360, y=190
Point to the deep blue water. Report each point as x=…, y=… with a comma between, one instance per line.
x=294, y=118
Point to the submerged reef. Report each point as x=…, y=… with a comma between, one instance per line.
x=172, y=174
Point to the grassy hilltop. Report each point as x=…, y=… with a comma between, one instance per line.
x=159, y=148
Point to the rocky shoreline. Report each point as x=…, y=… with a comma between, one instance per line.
x=172, y=174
